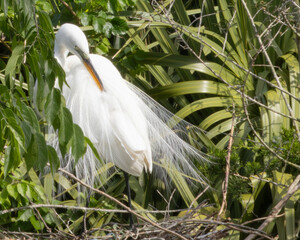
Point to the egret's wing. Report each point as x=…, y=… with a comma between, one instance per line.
x=126, y=126
x=135, y=144
x=169, y=146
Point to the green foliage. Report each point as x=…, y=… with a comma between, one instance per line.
x=31, y=57
x=204, y=73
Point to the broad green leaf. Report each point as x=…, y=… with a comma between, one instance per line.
x=29, y=116
x=290, y=217
x=27, y=130
x=136, y=187
x=85, y=18
x=38, y=225
x=66, y=185
x=191, y=87
x=180, y=182
x=223, y=127
x=30, y=194
x=237, y=41
x=247, y=202
x=107, y=29
x=213, y=118
x=26, y=215
x=223, y=142
x=53, y=105
x=48, y=186
x=14, y=127
x=11, y=160
x=257, y=184
x=40, y=193
x=206, y=103
x=12, y=191
x=42, y=151
x=66, y=127
x=22, y=189
x=186, y=62
x=138, y=207
x=98, y=24
x=94, y=150
x=34, y=177
x=53, y=159
x=14, y=61
x=78, y=146
x=119, y=26
x=294, y=72
x=37, y=154
x=2, y=140
x=4, y=6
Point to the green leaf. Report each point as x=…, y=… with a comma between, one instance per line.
x=14, y=60
x=9, y=160
x=223, y=102
x=289, y=211
x=2, y=140
x=21, y=187
x=4, y=6
x=25, y=215
x=53, y=159
x=191, y=87
x=48, y=186
x=78, y=146
x=42, y=150
x=38, y=225
x=29, y=116
x=180, y=182
x=107, y=28
x=85, y=18
x=14, y=127
x=119, y=26
x=247, y=202
x=37, y=154
x=94, y=150
x=66, y=127
x=66, y=184
x=12, y=191
x=98, y=24
x=185, y=62
x=53, y=105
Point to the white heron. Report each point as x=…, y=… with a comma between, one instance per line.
x=126, y=126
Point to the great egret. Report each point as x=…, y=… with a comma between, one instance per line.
x=126, y=126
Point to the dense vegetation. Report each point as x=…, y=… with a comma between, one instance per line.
x=231, y=68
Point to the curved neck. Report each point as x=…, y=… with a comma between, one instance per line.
x=60, y=53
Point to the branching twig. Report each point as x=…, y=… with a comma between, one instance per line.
x=121, y=204
x=271, y=66
x=71, y=11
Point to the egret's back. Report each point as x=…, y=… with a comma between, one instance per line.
x=126, y=126
x=111, y=119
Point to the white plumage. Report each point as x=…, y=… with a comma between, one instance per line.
x=126, y=126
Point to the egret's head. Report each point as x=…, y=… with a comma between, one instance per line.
x=70, y=38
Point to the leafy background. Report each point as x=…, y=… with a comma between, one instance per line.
x=221, y=65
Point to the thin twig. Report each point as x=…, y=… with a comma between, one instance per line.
x=71, y=11
x=227, y=171
x=271, y=66
x=121, y=204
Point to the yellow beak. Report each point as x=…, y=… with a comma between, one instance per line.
x=89, y=66
x=87, y=63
